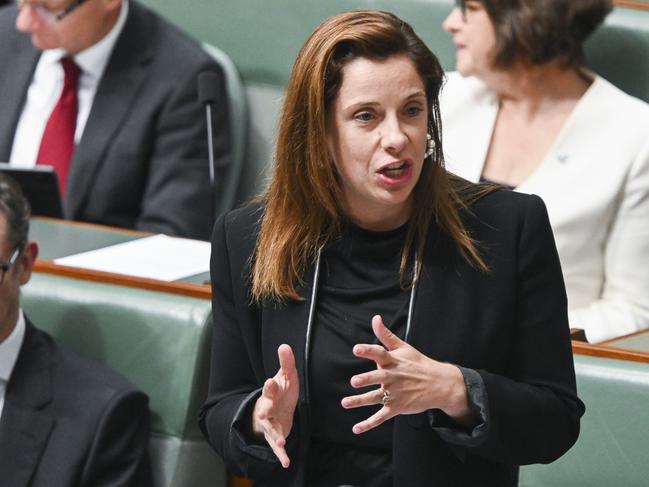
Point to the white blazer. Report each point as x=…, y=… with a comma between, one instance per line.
x=595, y=183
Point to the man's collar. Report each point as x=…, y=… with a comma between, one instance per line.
x=10, y=348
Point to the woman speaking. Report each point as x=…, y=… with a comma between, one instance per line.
x=378, y=321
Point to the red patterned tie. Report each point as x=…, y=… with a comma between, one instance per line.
x=57, y=143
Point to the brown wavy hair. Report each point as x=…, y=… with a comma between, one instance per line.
x=542, y=31
x=302, y=209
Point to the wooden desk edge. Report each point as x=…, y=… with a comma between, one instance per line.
x=607, y=351
x=93, y=226
x=201, y=291
x=636, y=4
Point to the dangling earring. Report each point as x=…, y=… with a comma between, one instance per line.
x=430, y=145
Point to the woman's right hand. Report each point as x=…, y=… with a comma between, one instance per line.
x=273, y=412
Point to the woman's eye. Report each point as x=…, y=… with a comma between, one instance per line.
x=414, y=111
x=364, y=116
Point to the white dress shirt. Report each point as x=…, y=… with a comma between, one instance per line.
x=45, y=90
x=9, y=350
x=594, y=181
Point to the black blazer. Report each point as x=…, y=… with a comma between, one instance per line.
x=70, y=422
x=142, y=159
x=510, y=325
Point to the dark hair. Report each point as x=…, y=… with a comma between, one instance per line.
x=541, y=31
x=302, y=203
x=16, y=210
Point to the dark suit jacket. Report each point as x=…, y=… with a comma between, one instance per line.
x=510, y=325
x=142, y=159
x=69, y=422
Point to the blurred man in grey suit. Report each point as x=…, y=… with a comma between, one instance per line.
x=106, y=92
x=64, y=421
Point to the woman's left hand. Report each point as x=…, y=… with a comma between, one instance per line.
x=408, y=382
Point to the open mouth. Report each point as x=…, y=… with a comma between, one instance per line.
x=395, y=170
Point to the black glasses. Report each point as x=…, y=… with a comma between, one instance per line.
x=5, y=266
x=49, y=16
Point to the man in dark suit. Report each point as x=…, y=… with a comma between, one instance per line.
x=64, y=421
x=139, y=157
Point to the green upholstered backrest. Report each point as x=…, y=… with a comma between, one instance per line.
x=263, y=38
x=619, y=51
x=159, y=341
x=613, y=446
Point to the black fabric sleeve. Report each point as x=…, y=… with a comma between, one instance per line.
x=533, y=413
x=451, y=431
x=233, y=385
x=119, y=455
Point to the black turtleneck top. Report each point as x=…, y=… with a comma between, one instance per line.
x=359, y=278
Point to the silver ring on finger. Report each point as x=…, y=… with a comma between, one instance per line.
x=385, y=398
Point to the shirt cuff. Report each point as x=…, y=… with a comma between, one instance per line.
x=451, y=431
x=242, y=435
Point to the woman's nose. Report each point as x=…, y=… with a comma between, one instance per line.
x=453, y=21
x=393, y=138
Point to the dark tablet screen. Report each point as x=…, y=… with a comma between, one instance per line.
x=40, y=186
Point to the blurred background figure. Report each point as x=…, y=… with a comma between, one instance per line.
x=105, y=91
x=64, y=421
x=522, y=111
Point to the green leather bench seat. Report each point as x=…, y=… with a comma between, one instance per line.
x=613, y=446
x=159, y=341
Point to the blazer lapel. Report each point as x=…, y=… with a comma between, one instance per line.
x=116, y=96
x=22, y=57
x=24, y=429
x=288, y=324
x=23, y=436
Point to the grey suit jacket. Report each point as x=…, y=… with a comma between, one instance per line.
x=142, y=159
x=69, y=422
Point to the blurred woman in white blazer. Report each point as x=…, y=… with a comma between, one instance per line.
x=522, y=111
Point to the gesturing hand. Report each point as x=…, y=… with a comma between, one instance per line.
x=273, y=412
x=415, y=382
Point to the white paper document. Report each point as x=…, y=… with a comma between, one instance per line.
x=158, y=257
